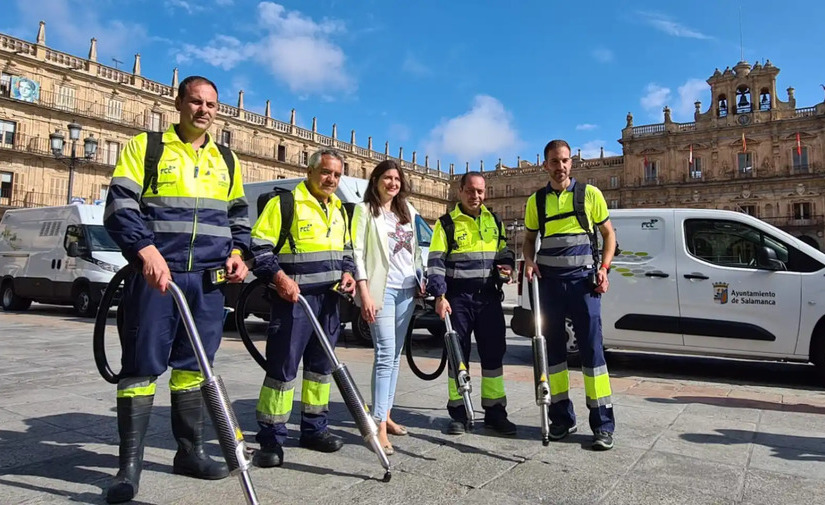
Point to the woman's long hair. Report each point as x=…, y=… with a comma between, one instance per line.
x=399, y=201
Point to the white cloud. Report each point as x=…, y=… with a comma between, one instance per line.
x=415, y=67
x=486, y=129
x=592, y=149
x=189, y=7
x=689, y=92
x=295, y=49
x=667, y=25
x=223, y=51
x=602, y=55
x=74, y=22
x=586, y=126
x=655, y=98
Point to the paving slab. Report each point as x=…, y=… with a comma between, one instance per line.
x=682, y=437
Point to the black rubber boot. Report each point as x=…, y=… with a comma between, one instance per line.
x=132, y=421
x=187, y=427
x=269, y=456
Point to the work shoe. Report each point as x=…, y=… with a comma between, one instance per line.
x=456, y=427
x=269, y=456
x=187, y=427
x=559, y=431
x=132, y=420
x=321, y=442
x=602, y=441
x=500, y=425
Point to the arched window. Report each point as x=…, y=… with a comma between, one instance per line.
x=722, y=105
x=743, y=100
x=764, y=99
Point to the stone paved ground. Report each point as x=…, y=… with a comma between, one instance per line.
x=690, y=431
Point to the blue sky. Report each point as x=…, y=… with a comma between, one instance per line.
x=459, y=80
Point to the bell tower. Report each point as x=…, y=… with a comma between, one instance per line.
x=744, y=93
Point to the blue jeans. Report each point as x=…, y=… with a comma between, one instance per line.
x=388, y=332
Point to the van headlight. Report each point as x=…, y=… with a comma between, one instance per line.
x=106, y=266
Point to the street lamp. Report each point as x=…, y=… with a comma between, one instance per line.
x=56, y=141
x=514, y=228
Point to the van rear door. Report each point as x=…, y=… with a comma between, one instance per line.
x=731, y=302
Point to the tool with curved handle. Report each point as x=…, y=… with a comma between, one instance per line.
x=349, y=391
x=540, y=366
x=459, y=368
x=217, y=402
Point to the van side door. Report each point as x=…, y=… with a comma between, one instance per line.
x=737, y=295
x=641, y=308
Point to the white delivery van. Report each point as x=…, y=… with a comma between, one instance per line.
x=710, y=282
x=351, y=192
x=60, y=255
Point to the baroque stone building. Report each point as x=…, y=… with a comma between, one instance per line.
x=43, y=90
x=749, y=152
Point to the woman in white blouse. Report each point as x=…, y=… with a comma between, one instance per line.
x=386, y=256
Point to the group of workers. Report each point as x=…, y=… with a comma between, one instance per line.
x=178, y=211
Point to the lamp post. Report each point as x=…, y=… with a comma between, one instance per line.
x=515, y=228
x=56, y=141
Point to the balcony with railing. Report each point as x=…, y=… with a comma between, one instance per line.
x=11, y=198
x=794, y=222
x=805, y=112
x=40, y=146
x=650, y=129
x=137, y=118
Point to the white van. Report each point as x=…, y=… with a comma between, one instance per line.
x=351, y=192
x=60, y=255
x=710, y=282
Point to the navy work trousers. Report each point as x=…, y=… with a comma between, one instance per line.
x=574, y=298
x=481, y=314
x=153, y=336
x=291, y=337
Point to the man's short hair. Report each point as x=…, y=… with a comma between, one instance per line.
x=315, y=159
x=555, y=144
x=466, y=177
x=194, y=79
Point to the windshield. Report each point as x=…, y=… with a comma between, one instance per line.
x=423, y=230
x=99, y=239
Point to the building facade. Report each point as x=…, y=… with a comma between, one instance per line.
x=43, y=90
x=749, y=152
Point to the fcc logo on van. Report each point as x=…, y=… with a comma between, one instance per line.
x=652, y=224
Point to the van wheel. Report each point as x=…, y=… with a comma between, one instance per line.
x=83, y=305
x=11, y=301
x=573, y=355
x=361, y=329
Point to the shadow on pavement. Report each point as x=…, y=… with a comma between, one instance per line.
x=723, y=370
x=788, y=447
x=68, y=460
x=743, y=403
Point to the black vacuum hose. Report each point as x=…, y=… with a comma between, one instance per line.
x=411, y=360
x=240, y=321
x=98, y=339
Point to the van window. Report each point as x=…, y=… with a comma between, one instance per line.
x=74, y=234
x=734, y=244
x=99, y=239
x=423, y=231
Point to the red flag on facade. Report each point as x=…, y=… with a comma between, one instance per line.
x=798, y=145
x=690, y=156
x=744, y=143
x=645, y=161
